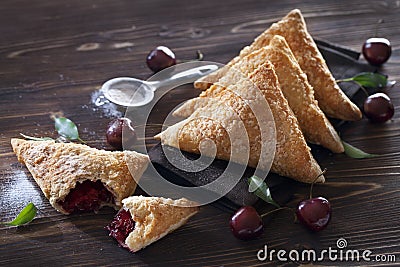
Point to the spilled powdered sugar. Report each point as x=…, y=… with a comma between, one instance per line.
x=99, y=103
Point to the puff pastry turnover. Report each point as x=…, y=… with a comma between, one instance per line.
x=331, y=98
x=292, y=155
x=144, y=220
x=76, y=177
x=300, y=95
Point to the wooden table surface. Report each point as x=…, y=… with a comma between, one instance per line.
x=56, y=54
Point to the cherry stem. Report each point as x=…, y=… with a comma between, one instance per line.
x=80, y=140
x=316, y=178
x=364, y=90
x=200, y=57
x=376, y=26
x=150, y=124
x=272, y=211
x=145, y=138
x=351, y=80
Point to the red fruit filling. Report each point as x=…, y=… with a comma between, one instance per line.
x=121, y=226
x=87, y=196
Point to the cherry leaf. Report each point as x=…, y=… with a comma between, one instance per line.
x=26, y=215
x=261, y=189
x=36, y=138
x=67, y=128
x=356, y=153
x=369, y=80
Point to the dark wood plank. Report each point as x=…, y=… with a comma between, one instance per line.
x=55, y=54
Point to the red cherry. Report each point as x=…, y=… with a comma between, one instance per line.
x=377, y=50
x=246, y=223
x=160, y=58
x=378, y=108
x=115, y=129
x=314, y=213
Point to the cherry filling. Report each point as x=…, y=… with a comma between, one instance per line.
x=86, y=196
x=121, y=226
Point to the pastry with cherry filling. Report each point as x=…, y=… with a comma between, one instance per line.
x=144, y=220
x=78, y=178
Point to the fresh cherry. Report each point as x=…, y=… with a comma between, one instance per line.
x=314, y=213
x=121, y=226
x=246, y=223
x=377, y=50
x=115, y=129
x=378, y=108
x=160, y=58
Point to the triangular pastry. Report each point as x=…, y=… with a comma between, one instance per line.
x=292, y=156
x=75, y=177
x=331, y=98
x=300, y=95
x=144, y=220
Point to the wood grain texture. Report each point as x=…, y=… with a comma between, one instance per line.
x=56, y=54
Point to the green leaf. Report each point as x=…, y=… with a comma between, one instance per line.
x=260, y=189
x=356, y=153
x=36, y=138
x=67, y=128
x=25, y=216
x=369, y=80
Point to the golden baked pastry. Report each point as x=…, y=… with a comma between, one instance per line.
x=294, y=84
x=331, y=98
x=300, y=95
x=75, y=177
x=292, y=156
x=144, y=220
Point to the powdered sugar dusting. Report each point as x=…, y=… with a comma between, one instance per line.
x=100, y=103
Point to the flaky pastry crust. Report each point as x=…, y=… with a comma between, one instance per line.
x=58, y=167
x=292, y=157
x=155, y=217
x=300, y=95
x=331, y=98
